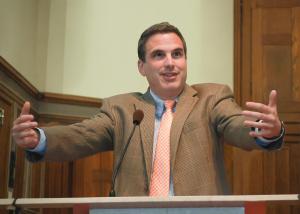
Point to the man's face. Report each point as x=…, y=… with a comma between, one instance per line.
x=165, y=65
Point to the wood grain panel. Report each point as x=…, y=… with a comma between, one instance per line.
x=92, y=175
x=106, y=173
x=37, y=180
x=247, y=172
x=280, y=39
x=276, y=170
x=58, y=183
x=276, y=3
x=20, y=179
x=294, y=173
x=270, y=60
x=276, y=60
x=294, y=168
x=296, y=54
x=5, y=145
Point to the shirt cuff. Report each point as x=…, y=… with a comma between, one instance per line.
x=265, y=142
x=41, y=147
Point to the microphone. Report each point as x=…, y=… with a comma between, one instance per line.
x=138, y=116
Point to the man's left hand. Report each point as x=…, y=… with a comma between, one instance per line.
x=265, y=118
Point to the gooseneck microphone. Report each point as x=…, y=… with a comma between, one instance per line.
x=138, y=116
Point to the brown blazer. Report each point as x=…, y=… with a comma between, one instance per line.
x=205, y=115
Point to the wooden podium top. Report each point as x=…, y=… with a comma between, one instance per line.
x=147, y=202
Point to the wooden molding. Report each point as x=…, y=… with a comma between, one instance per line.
x=237, y=51
x=61, y=119
x=70, y=99
x=12, y=73
x=6, y=92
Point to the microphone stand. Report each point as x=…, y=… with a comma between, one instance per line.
x=137, y=118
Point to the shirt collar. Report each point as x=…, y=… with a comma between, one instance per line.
x=159, y=104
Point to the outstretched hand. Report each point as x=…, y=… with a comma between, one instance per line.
x=264, y=117
x=23, y=129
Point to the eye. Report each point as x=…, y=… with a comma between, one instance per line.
x=158, y=54
x=177, y=54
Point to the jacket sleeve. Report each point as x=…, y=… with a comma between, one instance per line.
x=80, y=139
x=228, y=121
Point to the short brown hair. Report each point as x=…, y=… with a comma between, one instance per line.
x=163, y=27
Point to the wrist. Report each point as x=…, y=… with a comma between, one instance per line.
x=280, y=132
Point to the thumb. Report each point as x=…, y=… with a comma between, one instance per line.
x=273, y=98
x=25, y=108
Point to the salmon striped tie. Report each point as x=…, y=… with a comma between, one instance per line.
x=160, y=178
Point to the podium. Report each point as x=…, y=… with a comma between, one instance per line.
x=233, y=204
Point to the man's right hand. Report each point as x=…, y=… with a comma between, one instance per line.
x=23, y=130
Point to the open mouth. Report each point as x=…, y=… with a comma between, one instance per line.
x=169, y=76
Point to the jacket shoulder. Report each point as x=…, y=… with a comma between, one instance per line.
x=124, y=97
x=211, y=88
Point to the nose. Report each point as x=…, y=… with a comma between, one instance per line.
x=169, y=61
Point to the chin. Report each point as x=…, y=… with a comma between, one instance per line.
x=173, y=91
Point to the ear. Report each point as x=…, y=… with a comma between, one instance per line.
x=141, y=67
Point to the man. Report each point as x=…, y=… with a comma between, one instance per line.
x=190, y=132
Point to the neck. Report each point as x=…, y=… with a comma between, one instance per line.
x=163, y=97
x=167, y=96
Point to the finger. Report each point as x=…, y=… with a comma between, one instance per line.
x=26, y=133
x=264, y=133
x=25, y=108
x=255, y=134
x=259, y=116
x=273, y=98
x=253, y=115
x=24, y=118
x=258, y=107
x=266, y=118
x=259, y=125
x=27, y=142
x=24, y=126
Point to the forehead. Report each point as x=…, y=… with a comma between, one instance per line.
x=163, y=41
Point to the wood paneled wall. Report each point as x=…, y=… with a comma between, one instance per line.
x=51, y=179
x=267, y=57
x=7, y=107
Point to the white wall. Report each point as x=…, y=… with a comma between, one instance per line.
x=19, y=39
x=91, y=45
x=56, y=48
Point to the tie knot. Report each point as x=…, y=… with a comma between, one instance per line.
x=169, y=104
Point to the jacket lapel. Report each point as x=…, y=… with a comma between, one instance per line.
x=185, y=105
x=147, y=105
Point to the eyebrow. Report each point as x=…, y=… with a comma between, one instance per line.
x=160, y=50
x=178, y=49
